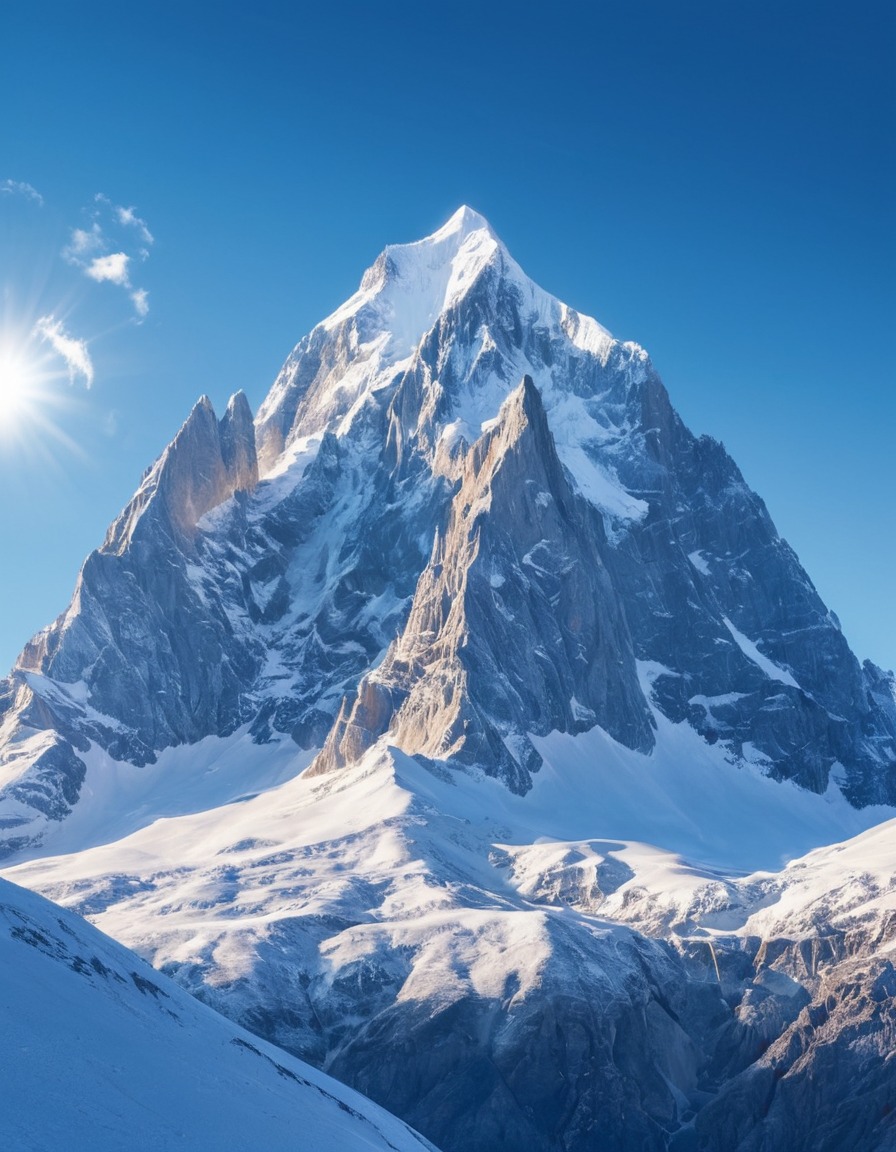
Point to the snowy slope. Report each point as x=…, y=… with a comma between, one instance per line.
x=390, y=843
x=102, y=1053
x=405, y=896
x=333, y=913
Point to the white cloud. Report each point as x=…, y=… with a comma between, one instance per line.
x=73, y=351
x=110, y=248
x=83, y=242
x=129, y=218
x=20, y=188
x=112, y=267
x=140, y=300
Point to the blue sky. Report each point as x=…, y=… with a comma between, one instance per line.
x=714, y=180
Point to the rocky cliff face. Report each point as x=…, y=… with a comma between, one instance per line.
x=514, y=627
x=468, y=561
x=144, y=657
x=846, y=1035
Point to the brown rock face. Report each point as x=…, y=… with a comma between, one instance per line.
x=205, y=463
x=513, y=628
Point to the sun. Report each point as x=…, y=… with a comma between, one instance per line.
x=33, y=395
x=18, y=379
x=25, y=396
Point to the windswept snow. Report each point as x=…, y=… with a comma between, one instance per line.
x=699, y=562
x=769, y=667
x=214, y=774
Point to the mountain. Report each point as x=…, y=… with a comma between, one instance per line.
x=364, y=716
x=104, y=1053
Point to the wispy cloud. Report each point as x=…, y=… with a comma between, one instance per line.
x=129, y=218
x=20, y=188
x=83, y=243
x=140, y=300
x=72, y=350
x=114, y=269
x=106, y=252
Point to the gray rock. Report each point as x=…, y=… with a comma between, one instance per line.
x=514, y=627
x=827, y=1083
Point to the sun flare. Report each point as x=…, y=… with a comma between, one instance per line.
x=18, y=378
x=39, y=363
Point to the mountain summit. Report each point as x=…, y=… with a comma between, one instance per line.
x=366, y=714
x=407, y=295
x=218, y=601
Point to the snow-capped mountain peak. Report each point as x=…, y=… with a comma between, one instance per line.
x=513, y=628
x=464, y=220
x=411, y=285
x=410, y=293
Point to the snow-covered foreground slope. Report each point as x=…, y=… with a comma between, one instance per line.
x=377, y=919
x=351, y=919
x=101, y=1053
x=451, y=725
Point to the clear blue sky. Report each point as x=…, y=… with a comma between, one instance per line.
x=714, y=180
